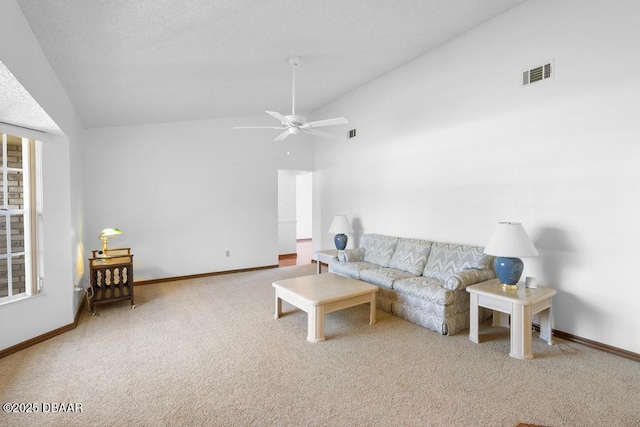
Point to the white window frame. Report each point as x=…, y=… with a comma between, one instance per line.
x=32, y=213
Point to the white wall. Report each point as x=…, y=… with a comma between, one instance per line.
x=56, y=306
x=184, y=193
x=450, y=143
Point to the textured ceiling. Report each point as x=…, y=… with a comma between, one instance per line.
x=17, y=106
x=147, y=61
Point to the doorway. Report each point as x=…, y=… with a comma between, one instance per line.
x=295, y=207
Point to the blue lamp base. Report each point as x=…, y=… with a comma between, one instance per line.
x=341, y=241
x=508, y=271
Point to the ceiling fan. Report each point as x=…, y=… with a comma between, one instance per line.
x=293, y=124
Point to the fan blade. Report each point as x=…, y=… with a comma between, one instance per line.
x=258, y=127
x=319, y=133
x=282, y=136
x=327, y=122
x=278, y=116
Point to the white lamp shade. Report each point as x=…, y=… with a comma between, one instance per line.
x=510, y=240
x=340, y=225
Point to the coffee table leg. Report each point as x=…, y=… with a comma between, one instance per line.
x=278, y=307
x=315, y=323
x=372, y=309
x=473, y=319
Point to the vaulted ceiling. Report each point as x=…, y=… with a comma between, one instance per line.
x=128, y=62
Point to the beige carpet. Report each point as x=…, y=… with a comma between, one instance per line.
x=209, y=352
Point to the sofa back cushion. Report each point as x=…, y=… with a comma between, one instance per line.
x=448, y=258
x=378, y=249
x=410, y=255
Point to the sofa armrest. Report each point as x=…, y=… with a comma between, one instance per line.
x=464, y=278
x=351, y=255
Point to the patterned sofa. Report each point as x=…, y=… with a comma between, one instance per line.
x=421, y=281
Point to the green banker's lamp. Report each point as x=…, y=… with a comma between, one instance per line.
x=107, y=234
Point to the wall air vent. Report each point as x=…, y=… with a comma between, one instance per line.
x=352, y=133
x=537, y=74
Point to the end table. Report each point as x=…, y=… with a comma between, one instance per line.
x=521, y=304
x=111, y=277
x=325, y=257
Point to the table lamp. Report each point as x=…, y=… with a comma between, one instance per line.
x=341, y=226
x=509, y=243
x=107, y=234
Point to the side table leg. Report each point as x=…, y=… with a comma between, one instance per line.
x=315, y=323
x=521, y=332
x=473, y=320
x=318, y=267
x=500, y=319
x=545, y=325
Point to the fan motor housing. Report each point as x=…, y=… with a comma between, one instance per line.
x=296, y=120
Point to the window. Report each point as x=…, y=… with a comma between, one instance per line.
x=19, y=207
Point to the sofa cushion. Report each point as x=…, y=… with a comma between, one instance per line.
x=448, y=258
x=425, y=288
x=379, y=249
x=383, y=277
x=350, y=269
x=410, y=255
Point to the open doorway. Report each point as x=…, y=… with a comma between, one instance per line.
x=295, y=217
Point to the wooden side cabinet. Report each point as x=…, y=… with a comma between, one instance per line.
x=111, y=277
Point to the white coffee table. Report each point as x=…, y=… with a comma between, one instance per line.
x=324, y=293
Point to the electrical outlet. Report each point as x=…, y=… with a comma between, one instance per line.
x=227, y=253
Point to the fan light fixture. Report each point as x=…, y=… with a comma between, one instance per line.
x=293, y=124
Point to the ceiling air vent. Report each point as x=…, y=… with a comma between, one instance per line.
x=537, y=74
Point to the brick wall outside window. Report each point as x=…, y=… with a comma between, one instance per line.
x=15, y=201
